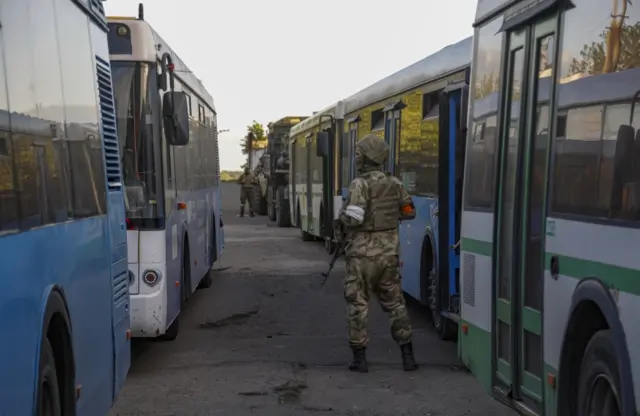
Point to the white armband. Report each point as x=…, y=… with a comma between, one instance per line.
x=354, y=212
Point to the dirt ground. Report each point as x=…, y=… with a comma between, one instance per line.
x=264, y=340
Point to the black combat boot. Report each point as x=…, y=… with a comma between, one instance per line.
x=252, y=214
x=241, y=211
x=359, y=363
x=408, y=361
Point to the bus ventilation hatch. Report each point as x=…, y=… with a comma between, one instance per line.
x=108, y=125
x=469, y=280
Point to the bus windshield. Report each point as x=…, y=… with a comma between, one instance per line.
x=131, y=81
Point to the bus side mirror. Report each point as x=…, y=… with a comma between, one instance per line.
x=322, y=144
x=623, y=162
x=175, y=118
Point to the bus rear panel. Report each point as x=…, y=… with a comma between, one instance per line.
x=64, y=303
x=172, y=198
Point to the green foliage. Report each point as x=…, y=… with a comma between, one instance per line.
x=259, y=137
x=229, y=175
x=594, y=55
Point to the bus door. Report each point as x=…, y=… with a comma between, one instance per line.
x=349, y=138
x=452, y=141
x=310, y=156
x=327, y=176
x=293, y=174
x=518, y=266
x=353, y=138
x=392, y=133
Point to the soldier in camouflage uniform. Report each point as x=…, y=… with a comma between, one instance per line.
x=247, y=181
x=370, y=217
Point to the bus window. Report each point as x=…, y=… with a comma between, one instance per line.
x=479, y=183
x=600, y=68
x=577, y=158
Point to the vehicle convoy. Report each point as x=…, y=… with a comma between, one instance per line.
x=63, y=262
x=170, y=162
x=314, y=193
x=419, y=111
x=256, y=162
x=534, y=259
x=550, y=273
x=275, y=168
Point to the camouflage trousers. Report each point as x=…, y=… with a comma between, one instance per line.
x=381, y=276
x=246, y=195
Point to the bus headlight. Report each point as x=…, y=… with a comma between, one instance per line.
x=151, y=277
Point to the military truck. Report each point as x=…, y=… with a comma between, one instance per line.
x=273, y=173
x=259, y=158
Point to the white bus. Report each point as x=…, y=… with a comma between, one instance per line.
x=550, y=270
x=169, y=147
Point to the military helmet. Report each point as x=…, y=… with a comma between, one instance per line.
x=374, y=148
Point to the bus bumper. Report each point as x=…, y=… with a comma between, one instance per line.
x=148, y=315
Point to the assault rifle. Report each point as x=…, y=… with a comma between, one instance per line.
x=337, y=252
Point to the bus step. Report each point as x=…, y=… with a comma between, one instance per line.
x=451, y=316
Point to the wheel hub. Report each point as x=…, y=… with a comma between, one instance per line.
x=603, y=399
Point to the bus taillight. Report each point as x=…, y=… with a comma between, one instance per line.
x=130, y=225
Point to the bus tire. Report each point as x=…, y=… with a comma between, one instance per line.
x=283, y=216
x=445, y=328
x=49, y=402
x=207, y=280
x=599, y=387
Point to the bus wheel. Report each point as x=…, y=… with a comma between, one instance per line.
x=207, y=280
x=48, y=389
x=445, y=329
x=436, y=318
x=599, y=383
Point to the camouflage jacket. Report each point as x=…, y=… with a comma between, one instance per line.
x=247, y=180
x=367, y=243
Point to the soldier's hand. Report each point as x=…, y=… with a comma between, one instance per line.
x=337, y=227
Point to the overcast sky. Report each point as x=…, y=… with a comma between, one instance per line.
x=267, y=59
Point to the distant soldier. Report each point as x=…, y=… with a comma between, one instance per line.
x=370, y=217
x=247, y=181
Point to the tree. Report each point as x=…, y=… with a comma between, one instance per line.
x=230, y=175
x=617, y=50
x=259, y=137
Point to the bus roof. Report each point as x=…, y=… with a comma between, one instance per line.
x=148, y=46
x=335, y=110
x=488, y=8
x=287, y=121
x=448, y=60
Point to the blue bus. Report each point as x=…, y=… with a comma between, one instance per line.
x=171, y=175
x=64, y=306
x=420, y=111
